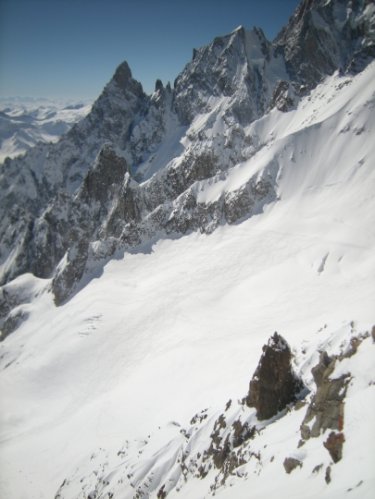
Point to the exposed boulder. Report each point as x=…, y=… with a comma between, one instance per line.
x=274, y=384
x=290, y=464
x=334, y=444
x=326, y=410
x=328, y=475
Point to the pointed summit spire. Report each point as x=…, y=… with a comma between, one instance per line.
x=122, y=74
x=124, y=81
x=159, y=87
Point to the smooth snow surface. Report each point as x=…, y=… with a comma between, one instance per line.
x=168, y=332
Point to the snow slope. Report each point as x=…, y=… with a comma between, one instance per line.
x=128, y=171
x=176, y=327
x=23, y=123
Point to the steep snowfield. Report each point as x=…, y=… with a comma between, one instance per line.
x=23, y=123
x=175, y=328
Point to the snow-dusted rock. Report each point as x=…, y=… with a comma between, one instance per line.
x=240, y=67
x=324, y=36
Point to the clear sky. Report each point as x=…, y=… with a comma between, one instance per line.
x=70, y=48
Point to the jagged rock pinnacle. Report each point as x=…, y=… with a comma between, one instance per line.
x=122, y=74
x=274, y=384
x=159, y=85
x=124, y=81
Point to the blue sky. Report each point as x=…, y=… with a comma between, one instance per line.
x=70, y=48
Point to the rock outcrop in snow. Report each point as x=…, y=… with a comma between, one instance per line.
x=274, y=384
x=219, y=449
x=327, y=407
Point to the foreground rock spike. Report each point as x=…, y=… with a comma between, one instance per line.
x=274, y=384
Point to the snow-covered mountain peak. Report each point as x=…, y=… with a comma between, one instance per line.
x=149, y=254
x=122, y=74
x=123, y=82
x=227, y=86
x=235, y=67
x=324, y=36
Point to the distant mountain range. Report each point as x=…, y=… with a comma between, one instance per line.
x=26, y=121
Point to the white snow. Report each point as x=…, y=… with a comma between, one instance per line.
x=163, y=334
x=25, y=122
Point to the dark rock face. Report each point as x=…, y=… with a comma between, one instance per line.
x=328, y=475
x=283, y=97
x=324, y=36
x=90, y=216
x=241, y=433
x=224, y=451
x=13, y=307
x=70, y=272
x=101, y=180
x=274, y=384
x=123, y=76
x=11, y=323
x=290, y=464
x=334, y=444
x=327, y=406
